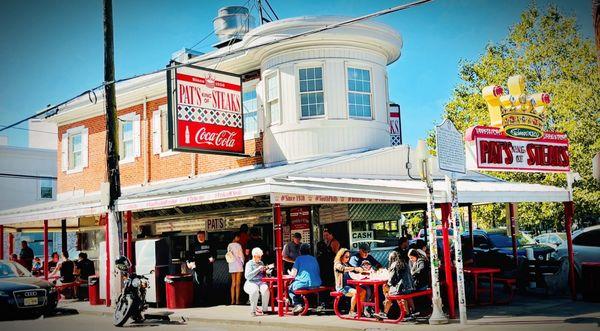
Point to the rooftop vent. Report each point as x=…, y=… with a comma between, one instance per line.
x=232, y=24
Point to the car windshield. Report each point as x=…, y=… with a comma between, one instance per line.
x=11, y=269
x=502, y=240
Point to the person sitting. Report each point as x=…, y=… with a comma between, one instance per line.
x=400, y=282
x=420, y=270
x=37, y=268
x=307, y=275
x=14, y=258
x=55, y=258
x=254, y=286
x=85, y=267
x=341, y=270
x=66, y=269
x=363, y=254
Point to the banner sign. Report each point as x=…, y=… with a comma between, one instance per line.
x=205, y=108
x=489, y=149
x=358, y=237
x=300, y=222
x=395, y=125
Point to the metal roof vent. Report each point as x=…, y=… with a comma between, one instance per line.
x=232, y=24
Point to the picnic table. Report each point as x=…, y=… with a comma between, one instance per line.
x=271, y=282
x=359, y=283
x=477, y=272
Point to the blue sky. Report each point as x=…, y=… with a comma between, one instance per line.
x=53, y=50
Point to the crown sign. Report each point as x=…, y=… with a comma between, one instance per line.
x=517, y=114
x=210, y=81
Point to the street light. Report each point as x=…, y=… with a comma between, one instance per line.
x=424, y=164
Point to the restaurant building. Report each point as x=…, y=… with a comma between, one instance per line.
x=318, y=144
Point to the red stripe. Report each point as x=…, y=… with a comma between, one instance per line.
x=394, y=114
x=200, y=80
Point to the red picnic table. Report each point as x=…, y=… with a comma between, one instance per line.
x=272, y=281
x=476, y=272
x=358, y=283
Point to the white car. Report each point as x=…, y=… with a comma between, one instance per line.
x=551, y=239
x=586, y=247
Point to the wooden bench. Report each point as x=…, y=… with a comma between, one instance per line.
x=400, y=299
x=305, y=292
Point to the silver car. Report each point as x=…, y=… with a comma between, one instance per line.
x=551, y=239
x=586, y=247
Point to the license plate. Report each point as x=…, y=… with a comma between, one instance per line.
x=30, y=301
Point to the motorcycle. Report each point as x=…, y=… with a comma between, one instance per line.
x=132, y=300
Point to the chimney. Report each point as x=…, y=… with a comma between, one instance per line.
x=231, y=24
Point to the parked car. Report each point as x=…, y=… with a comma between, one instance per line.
x=494, y=249
x=586, y=247
x=21, y=294
x=551, y=239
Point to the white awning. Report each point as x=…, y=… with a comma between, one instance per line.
x=60, y=209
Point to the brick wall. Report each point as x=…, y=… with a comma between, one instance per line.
x=147, y=166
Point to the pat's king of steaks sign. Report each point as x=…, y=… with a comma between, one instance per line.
x=516, y=141
x=205, y=111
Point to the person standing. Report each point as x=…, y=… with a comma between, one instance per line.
x=26, y=255
x=201, y=259
x=244, y=239
x=332, y=243
x=291, y=251
x=235, y=259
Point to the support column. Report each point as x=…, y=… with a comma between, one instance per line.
x=1, y=242
x=107, y=262
x=11, y=243
x=129, y=239
x=46, y=257
x=446, y=209
x=513, y=233
x=569, y=210
x=63, y=236
x=277, y=229
x=471, y=236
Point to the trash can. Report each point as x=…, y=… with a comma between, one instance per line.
x=94, y=290
x=180, y=291
x=590, y=273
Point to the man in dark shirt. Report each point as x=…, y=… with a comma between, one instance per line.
x=85, y=267
x=362, y=255
x=201, y=257
x=26, y=255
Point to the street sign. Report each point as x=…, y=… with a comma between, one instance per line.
x=450, y=148
x=205, y=108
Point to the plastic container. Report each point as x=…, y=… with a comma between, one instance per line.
x=94, y=290
x=180, y=291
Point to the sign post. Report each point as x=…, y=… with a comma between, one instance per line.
x=451, y=158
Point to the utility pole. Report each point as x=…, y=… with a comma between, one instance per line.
x=112, y=156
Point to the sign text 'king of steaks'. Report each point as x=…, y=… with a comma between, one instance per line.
x=489, y=149
x=205, y=108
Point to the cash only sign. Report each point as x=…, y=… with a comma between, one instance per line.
x=205, y=111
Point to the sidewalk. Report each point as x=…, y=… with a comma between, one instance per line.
x=525, y=312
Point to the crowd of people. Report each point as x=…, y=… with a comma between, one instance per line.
x=60, y=269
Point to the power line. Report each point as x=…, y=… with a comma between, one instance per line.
x=213, y=31
x=26, y=129
x=272, y=10
x=21, y=176
x=228, y=53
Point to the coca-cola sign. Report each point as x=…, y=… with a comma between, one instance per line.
x=206, y=111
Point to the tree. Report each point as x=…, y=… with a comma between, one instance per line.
x=548, y=50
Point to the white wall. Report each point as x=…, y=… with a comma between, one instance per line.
x=296, y=138
x=17, y=192
x=43, y=134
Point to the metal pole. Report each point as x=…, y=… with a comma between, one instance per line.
x=278, y=255
x=471, y=236
x=513, y=233
x=425, y=220
x=569, y=209
x=1, y=242
x=11, y=241
x=129, y=239
x=63, y=236
x=437, y=315
x=447, y=261
x=107, y=240
x=46, y=250
x=458, y=256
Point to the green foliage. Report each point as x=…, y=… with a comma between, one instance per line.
x=548, y=50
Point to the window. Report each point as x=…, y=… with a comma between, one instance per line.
x=160, y=132
x=589, y=238
x=250, y=114
x=46, y=188
x=126, y=135
x=273, y=106
x=311, y=92
x=359, y=93
x=75, y=151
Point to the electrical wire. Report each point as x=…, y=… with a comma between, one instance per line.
x=214, y=30
x=272, y=10
x=230, y=52
x=21, y=176
x=26, y=129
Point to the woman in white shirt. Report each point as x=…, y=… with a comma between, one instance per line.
x=235, y=259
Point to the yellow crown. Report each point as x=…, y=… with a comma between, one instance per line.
x=517, y=114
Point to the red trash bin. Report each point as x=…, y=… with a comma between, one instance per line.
x=94, y=290
x=180, y=291
x=590, y=273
